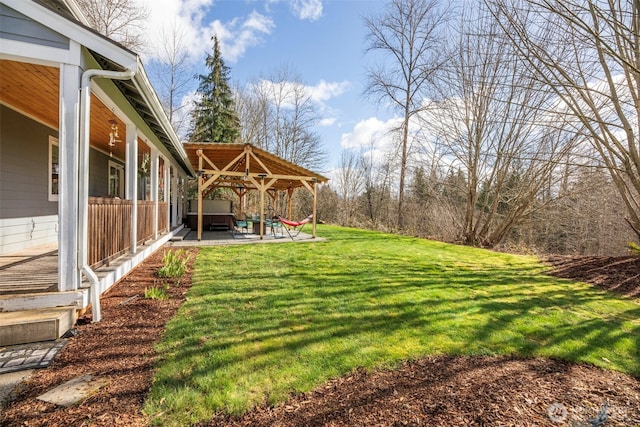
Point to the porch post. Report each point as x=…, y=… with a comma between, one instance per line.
x=174, y=197
x=69, y=276
x=167, y=196
x=180, y=189
x=154, y=189
x=132, y=181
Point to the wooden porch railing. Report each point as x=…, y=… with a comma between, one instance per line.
x=163, y=217
x=109, y=227
x=145, y=221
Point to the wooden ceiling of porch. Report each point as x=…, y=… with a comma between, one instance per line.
x=34, y=90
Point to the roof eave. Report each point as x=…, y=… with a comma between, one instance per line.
x=118, y=57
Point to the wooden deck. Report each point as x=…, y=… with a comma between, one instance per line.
x=31, y=271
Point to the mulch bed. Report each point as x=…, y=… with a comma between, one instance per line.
x=616, y=274
x=459, y=391
x=433, y=391
x=119, y=348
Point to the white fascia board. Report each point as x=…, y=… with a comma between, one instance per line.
x=75, y=32
x=37, y=54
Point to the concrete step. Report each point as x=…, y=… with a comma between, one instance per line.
x=181, y=235
x=40, y=300
x=28, y=326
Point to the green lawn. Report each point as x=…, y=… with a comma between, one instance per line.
x=262, y=321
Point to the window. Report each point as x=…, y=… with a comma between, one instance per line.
x=54, y=169
x=116, y=179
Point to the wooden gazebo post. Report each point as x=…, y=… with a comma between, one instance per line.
x=290, y=201
x=262, y=190
x=315, y=206
x=200, y=179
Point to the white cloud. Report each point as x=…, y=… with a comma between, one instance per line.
x=301, y=9
x=188, y=18
x=306, y=9
x=328, y=121
x=238, y=35
x=324, y=91
x=285, y=92
x=183, y=17
x=371, y=133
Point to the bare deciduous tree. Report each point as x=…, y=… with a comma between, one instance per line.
x=488, y=118
x=278, y=115
x=587, y=53
x=409, y=37
x=376, y=196
x=120, y=20
x=173, y=74
x=349, y=185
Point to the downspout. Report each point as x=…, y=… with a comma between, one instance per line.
x=83, y=179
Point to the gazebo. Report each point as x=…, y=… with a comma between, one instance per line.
x=243, y=168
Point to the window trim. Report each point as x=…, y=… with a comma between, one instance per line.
x=121, y=182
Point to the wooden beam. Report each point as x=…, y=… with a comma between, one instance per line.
x=266, y=169
x=257, y=175
x=231, y=163
x=308, y=187
x=240, y=192
x=201, y=155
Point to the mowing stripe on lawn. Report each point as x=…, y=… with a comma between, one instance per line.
x=263, y=321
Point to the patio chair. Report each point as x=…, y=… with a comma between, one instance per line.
x=276, y=227
x=239, y=225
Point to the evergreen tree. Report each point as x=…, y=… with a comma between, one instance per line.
x=214, y=116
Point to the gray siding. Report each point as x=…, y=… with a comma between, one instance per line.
x=15, y=26
x=24, y=157
x=99, y=173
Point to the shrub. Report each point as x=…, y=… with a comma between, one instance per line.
x=174, y=263
x=156, y=292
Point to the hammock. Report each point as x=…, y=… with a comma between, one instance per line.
x=293, y=225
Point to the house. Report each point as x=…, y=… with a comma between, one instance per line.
x=90, y=166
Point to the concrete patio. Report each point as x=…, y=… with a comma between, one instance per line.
x=221, y=238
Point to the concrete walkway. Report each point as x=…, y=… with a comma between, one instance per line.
x=9, y=384
x=18, y=362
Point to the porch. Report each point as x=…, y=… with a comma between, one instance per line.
x=32, y=306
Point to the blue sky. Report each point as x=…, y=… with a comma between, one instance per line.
x=321, y=42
